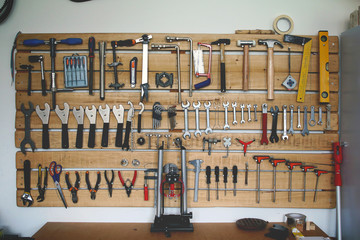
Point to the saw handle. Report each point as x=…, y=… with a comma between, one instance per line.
x=203, y=84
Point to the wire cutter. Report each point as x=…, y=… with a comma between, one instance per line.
x=75, y=188
x=42, y=190
x=110, y=183
x=55, y=171
x=93, y=190
x=131, y=184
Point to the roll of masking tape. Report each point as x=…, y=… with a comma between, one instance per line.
x=283, y=18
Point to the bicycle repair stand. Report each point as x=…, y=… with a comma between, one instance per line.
x=171, y=223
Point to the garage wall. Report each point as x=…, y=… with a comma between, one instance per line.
x=46, y=16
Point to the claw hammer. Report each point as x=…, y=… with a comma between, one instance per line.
x=222, y=43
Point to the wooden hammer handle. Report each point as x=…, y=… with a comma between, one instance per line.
x=246, y=68
x=270, y=74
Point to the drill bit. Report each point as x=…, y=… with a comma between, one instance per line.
x=217, y=173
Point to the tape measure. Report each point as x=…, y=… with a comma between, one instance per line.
x=324, y=66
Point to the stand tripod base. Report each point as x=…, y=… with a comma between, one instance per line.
x=172, y=223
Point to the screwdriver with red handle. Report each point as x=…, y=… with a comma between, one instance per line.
x=305, y=169
x=258, y=160
x=291, y=166
x=318, y=173
x=274, y=163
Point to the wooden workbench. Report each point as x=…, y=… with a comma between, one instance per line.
x=103, y=231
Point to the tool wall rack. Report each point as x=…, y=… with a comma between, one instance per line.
x=314, y=149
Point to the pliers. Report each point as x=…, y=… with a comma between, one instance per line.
x=110, y=183
x=130, y=186
x=75, y=188
x=93, y=190
x=42, y=190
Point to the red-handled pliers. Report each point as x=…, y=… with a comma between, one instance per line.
x=124, y=183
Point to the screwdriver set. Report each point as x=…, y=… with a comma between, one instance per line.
x=75, y=71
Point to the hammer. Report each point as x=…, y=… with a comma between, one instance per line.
x=246, y=44
x=270, y=64
x=222, y=43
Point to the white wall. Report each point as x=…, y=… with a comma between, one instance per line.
x=42, y=16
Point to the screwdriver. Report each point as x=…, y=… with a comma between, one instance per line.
x=225, y=172
x=318, y=174
x=208, y=181
x=291, y=166
x=258, y=160
x=91, y=64
x=274, y=163
x=305, y=169
x=217, y=173
x=235, y=172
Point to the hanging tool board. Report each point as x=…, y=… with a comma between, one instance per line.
x=313, y=149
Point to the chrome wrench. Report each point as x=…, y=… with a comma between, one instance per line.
x=186, y=120
x=249, y=112
x=320, y=117
x=197, y=122
x=291, y=129
x=226, y=126
x=242, y=106
x=234, y=105
x=208, y=129
x=255, y=112
x=285, y=136
x=312, y=121
x=305, y=130
x=298, y=117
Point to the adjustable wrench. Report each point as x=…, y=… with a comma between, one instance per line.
x=119, y=115
x=139, y=116
x=186, y=120
x=64, y=117
x=208, y=129
x=105, y=115
x=197, y=122
x=226, y=126
x=44, y=117
x=197, y=165
x=129, y=118
x=328, y=117
x=91, y=114
x=249, y=112
x=274, y=112
x=285, y=136
x=298, y=117
x=27, y=139
x=320, y=117
x=312, y=121
x=234, y=105
x=264, y=139
x=255, y=112
x=305, y=129
x=291, y=129
x=79, y=116
x=242, y=106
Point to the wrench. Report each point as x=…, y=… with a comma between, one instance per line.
x=298, y=117
x=284, y=136
x=291, y=129
x=249, y=112
x=227, y=144
x=312, y=121
x=305, y=130
x=320, y=117
x=79, y=116
x=197, y=165
x=64, y=117
x=208, y=129
x=255, y=112
x=186, y=121
x=27, y=139
x=105, y=115
x=328, y=117
x=139, y=116
x=242, y=106
x=44, y=117
x=91, y=114
x=234, y=105
x=264, y=139
x=197, y=122
x=274, y=112
x=119, y=115
x=226, y=126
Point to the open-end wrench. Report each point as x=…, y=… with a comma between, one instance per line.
x=274, y=112
x=312, y=121
x=139, y=116
x=105, y=115
x=234, y=105
x=197, y=122
x=249, y=112
x=291, y=129
x=44, y=117
x=186, y=120
x=91, y=114
x=242, y=106
x=320, y=117
x=119, y=115
x=226, y=125
x=208, y=129
x=27, y=139
x=284, y=136
x=264, y=139
x=79, y=116
x=298, y=117
x=328, y=117
x=64, y=117
x=197, y=165
x=129, y=118
x=305, y=130
x=255, y=112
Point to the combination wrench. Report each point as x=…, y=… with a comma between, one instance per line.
x=242, y=106
x=249, y=112
x=226, y=126
x=312, y=121
x=27, y=139
x=274, y=112
x=208, y=129
x=234, y=105
x=291, y=129
x=264, y=139
x=298, y=117
x=320, y=117
x=285, y=136
x=197, y=122
x=255, y=112
x=186, y=121
x=305, y=130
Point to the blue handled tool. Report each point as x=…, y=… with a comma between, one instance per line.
x=55, y=171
